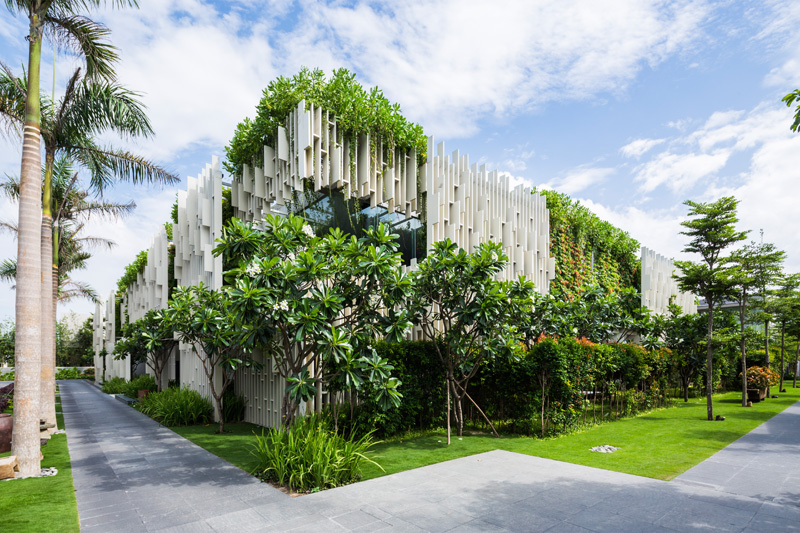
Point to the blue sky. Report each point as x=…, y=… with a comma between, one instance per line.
x=631, y=106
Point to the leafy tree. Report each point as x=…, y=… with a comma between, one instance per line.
x=64, y=21
x=6, y=343
x=711, y=230
x=789, y=99
x=202, y=318
x=79, y=351
x=751, y=266
x=786, y=304
x=316, y=305
x=685, y=336
x=456, y=301
x=766, y=274
x=151, y=340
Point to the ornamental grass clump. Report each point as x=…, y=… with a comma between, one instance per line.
x=759, y=377
x=143, y=382
x=309, y=456
x=115, y=386
x=176, y=407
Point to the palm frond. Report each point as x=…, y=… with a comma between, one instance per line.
x=12, y=103
x=104, y=209
x=9, y=187
x=73, y=289
x=8, y=270
x=106, y=163
x=98, y=106
x=9, y=227
x=85, y=37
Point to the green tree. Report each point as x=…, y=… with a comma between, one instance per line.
x=150, y=340
x=316, y=305
x=789, y=99
x=685, y=336
x=786, y=305
x=89, y=107
x=456, y=301
x=711, y=230
x=202, y=318
x=6, y=343
x=65, y=22
x=751, y=265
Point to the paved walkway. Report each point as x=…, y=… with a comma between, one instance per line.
x=133, y=475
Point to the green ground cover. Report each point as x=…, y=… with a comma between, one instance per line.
x=660, y=444
x=42, y=504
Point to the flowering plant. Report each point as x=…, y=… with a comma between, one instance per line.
x=760, y=378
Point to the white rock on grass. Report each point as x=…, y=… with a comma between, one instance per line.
x=606, y=448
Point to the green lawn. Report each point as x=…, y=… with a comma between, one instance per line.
x=233, y=446
x=660, y=444
x=42, y=504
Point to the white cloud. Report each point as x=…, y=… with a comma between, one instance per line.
x=656, y=229
x=679, y=172
x=452, y=61
x=580, y=179
x=639, y=147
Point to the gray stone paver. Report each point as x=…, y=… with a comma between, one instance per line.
x=133, y=475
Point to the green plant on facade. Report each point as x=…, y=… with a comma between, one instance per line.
x=356, y=110
x=588, y=251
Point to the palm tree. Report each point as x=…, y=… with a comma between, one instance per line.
x=74, y=209
x=65, y=23
x=89, y=106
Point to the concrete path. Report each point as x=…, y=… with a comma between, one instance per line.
x=133, y=475
x=764, y=464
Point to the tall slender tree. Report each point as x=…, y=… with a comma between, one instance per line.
x=750, y=264
x=64, y=21
x=786, y=305
x=711, y=230
x=90, y=106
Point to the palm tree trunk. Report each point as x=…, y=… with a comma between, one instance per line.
x=28, y=345
x=47, y=392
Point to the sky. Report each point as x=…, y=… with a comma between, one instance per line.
x=631, y=107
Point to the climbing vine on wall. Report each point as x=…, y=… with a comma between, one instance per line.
x=356, y=110
x=588, y=250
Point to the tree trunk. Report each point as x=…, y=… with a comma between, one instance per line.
x=766, y=349
x=459, y=410
x=28, y=345
x=47, y=392
x=783, y=333
x=447, y=386
x=796, y=355
x=709, y=364
x=685, y=385
x=744, y=357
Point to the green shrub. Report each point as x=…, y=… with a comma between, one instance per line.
x=143, y=382
x=233, y=407
x=8, y=376
x=309, y=456
x=69, y=373
x=176, y=407
x=417, y=366
x=115, y=386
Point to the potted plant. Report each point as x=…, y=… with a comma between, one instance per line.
x=758, y=379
